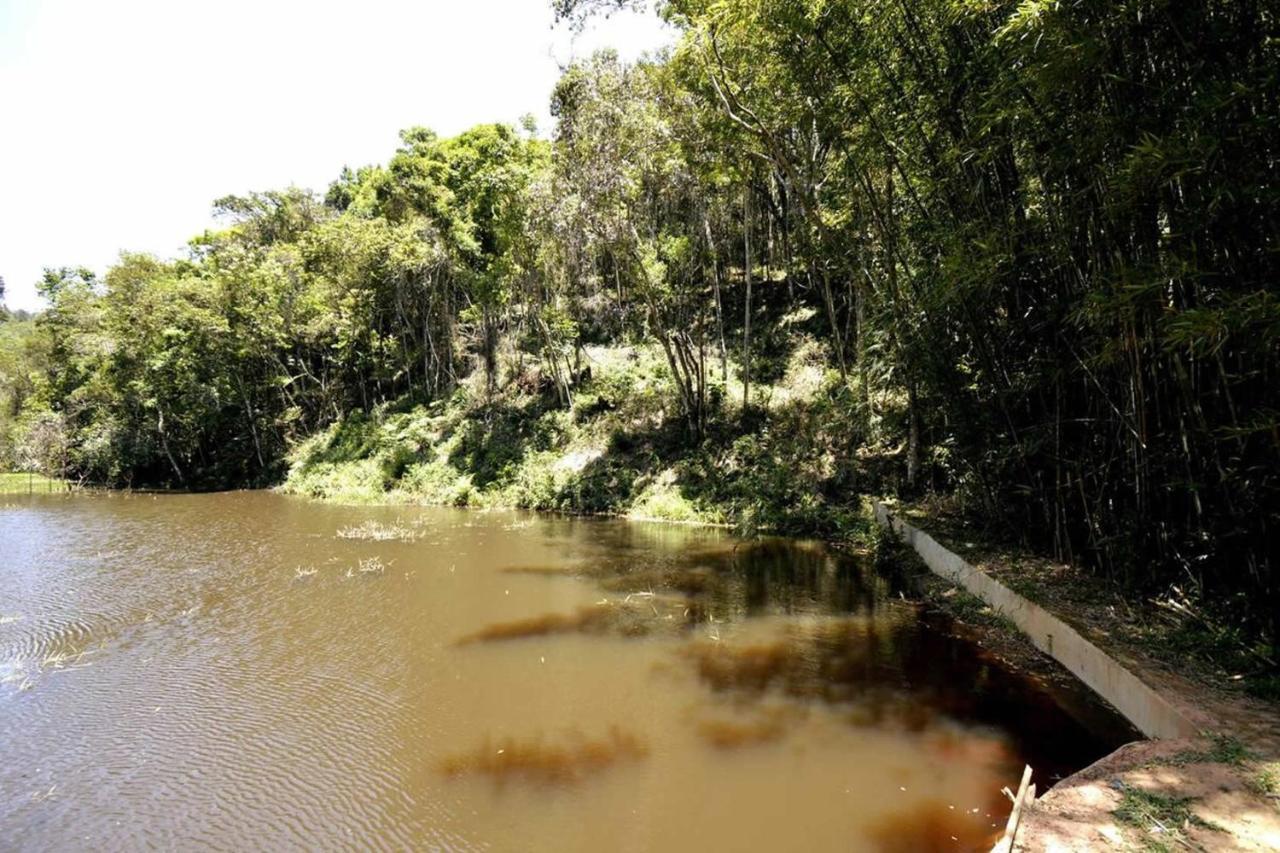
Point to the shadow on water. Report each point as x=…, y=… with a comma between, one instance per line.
x=769, y=576
x=835, y=633
x=903, y=670
x=935, y=826
x=621, y=619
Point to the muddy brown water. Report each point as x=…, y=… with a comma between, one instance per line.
x=251, y=671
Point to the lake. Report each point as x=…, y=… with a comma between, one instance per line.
x=247, y=670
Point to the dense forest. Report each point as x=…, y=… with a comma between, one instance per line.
x=1030, y=248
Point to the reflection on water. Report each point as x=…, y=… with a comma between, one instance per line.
x=933, y=825
x=246, y=669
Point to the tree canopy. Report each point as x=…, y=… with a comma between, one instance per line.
x=1039, y=238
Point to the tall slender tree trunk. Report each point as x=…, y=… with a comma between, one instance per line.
x=913, y=435
x=253, y=427
x=746, y=321
x=860, y=329
x=164, y=444
x=489, y=330
x=715, y=281
x=913, y=410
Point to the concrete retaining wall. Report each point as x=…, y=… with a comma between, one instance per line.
x=1151, y=713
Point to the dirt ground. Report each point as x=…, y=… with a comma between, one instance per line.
x=1194, y=801
x=1217, y=792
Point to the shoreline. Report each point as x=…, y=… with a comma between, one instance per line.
x=1216, y=774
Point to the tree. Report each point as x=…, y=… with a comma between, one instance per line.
x=1035, y=242
x=620, y=158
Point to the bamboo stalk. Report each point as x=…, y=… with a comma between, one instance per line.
x=1026, y=794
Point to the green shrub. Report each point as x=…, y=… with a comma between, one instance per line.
x=437, y=482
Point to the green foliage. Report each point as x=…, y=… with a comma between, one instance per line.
x=1266, y=782
x=1162, y=816
x=437, y=483
x=615, y=451
x=19, y=483
x=22, y=360
x=1224, y=749
x=1019, y=250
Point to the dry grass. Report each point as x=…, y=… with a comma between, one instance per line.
x=17, y=673
x=28, y=673
x=1266, y=783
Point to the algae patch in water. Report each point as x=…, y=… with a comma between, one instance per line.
x=689, y=580
x=767, y=725
x=628, y=619
x=537, y=760
x=543, y=571
x=373, y=531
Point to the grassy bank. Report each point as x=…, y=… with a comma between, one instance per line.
x=620, y=448
x=12, y=483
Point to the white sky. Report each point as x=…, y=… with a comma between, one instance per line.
x=122, y=120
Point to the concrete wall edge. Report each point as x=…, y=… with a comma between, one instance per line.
x=1149, y=711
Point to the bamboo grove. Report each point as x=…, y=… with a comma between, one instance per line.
x=1044, y=232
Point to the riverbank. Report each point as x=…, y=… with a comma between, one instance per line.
x=799, y=465
x=1218, y=791
x=20, y=482
x=802, y=462
x=793, y=464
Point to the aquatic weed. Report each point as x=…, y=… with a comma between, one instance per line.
x=370, y=566
x=374, y=531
